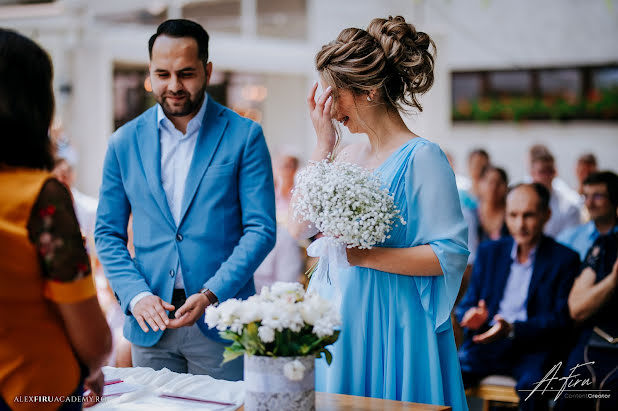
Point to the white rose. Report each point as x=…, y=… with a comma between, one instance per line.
x=250, y=311
x=266, y=334
x=294, y=370
x=212, y=316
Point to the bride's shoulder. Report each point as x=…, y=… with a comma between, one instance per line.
x=351, y=153
x=427, y=153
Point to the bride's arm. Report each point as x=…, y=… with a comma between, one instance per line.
x=321, y=118
x=417, y=261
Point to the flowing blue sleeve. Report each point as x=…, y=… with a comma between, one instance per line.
x=435, y=218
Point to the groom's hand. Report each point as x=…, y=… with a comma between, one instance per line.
x=190, y=311
x=151, y=310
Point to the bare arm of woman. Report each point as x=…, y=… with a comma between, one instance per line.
x=321, y=118
x=69, y=285
x=416, y=261
x=87, y=330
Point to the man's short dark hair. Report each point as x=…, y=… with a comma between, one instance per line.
x=478, y=152
x=541, y=191
x=183, y=28
x=540, y=153
x=501, y=172
x=611, y=182
x=588, y=158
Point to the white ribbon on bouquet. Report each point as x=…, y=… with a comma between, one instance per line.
x=332, y=258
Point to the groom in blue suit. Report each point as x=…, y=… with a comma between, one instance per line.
x=515, y=310
x=197, y=179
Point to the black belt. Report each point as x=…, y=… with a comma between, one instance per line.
x=178, y=299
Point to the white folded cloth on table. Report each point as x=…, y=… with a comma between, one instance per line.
x=149, y=386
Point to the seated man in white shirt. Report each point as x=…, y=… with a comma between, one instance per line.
x=565, y=210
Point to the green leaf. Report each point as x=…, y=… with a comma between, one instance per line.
x=229, y=335
x=251, y=341
x=230, y=354
x=304, y=349
x=252, y=329
x=327, y=355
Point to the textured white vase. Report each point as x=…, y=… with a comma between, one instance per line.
x=268, y=388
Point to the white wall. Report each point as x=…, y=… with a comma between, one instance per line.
x=470, y=34
x=284, y=114
x=506, y=33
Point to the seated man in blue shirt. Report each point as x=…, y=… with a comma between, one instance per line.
x=515, y=310
x=600, y=192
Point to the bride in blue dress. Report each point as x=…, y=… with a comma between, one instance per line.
x=396, y=339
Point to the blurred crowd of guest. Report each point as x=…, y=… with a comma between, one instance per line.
x=542, y=279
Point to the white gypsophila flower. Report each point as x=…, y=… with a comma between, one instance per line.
x=294, y=370
x=266, y=334
x=346, y=202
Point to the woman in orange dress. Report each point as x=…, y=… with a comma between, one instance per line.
x=53, y=335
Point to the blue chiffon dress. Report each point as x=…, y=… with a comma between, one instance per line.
x=396, y=338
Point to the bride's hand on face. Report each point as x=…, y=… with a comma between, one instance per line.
x=321, y=118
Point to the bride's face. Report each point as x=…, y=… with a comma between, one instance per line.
x=348, y=109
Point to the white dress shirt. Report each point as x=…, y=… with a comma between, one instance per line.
x=564, y=213
x=85, y=211
x=176, y=155
x=513, y=304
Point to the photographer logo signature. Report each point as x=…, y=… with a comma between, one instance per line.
x=569, y=383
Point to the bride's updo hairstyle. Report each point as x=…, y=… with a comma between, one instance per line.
x=390, y=57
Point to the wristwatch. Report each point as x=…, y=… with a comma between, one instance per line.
x=212, y=298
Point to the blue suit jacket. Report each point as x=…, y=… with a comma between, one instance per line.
x=553, y=273
x=227, y=224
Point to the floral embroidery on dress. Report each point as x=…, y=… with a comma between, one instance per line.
x=54, y=229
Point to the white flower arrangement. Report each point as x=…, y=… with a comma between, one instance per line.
x=345, y=202
x=282, y=321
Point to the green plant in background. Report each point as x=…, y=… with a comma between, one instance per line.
x=599, y=104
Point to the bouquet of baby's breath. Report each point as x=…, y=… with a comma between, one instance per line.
x=282, y=321
x=345, y=202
